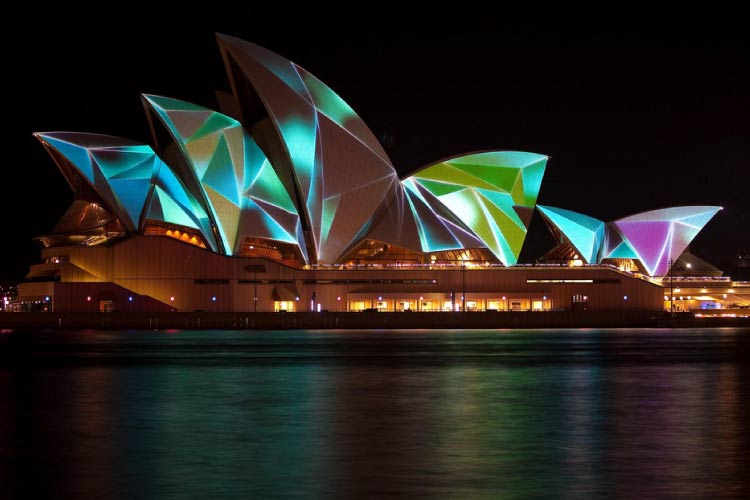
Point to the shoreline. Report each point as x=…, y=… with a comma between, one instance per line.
x=360, y=320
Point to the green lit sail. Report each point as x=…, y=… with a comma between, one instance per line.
x=485, y=191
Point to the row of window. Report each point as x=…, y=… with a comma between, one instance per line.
x=320, y=282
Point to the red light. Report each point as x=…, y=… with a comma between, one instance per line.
x=88, y=299
x=171, y=298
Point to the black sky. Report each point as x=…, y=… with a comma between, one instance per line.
x=634, y=117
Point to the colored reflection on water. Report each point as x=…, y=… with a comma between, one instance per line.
x=415, y=414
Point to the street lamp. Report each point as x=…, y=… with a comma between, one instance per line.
x=463, y=286
x=671, y=288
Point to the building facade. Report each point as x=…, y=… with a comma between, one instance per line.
x=161, y=274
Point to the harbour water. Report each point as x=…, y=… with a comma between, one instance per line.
x=619, y=413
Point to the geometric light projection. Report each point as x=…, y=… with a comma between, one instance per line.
x=658, y=236
x=119, y=170
x=172, y=202
x=229, y=173
x=398, y=225
x=124, y=174
x=267, y=210
x=437, y=227
x=327, y=158
x=490, y=193
x=297, y=166
x=614, y=246
x=654, y=238
x=584, y=233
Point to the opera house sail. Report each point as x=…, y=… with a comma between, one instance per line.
x=285, y=188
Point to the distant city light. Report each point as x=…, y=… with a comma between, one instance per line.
x=213, y=299
x=625, y=297
x=130, y=299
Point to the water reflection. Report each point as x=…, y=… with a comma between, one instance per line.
x=576, y=414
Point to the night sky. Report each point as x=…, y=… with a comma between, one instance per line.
x=633, y=117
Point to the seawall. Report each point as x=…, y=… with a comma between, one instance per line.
x=355, y=320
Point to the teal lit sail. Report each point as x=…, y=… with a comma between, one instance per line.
x=327, y=158
x=173, y=203
x=291, y=162
x=584, y=233
x=653, y=239
x=132, y=181
x=230, y=173
x=119, y=170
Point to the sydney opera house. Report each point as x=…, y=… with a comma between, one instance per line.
x=284, y=200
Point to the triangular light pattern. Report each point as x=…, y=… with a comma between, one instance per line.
x=584, y=233
x=439, y=229
x=398, y=226
x=118, y=169
x=231, y=171
x=329, y=157
x=660, y=236
x=481, y=190
x=124, y=173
